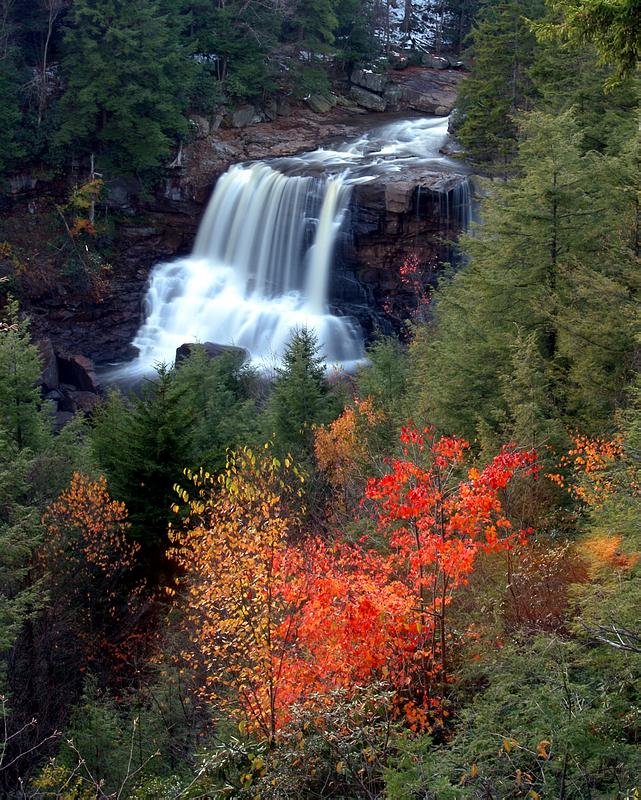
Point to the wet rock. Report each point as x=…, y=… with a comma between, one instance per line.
x=398, y=196
x=424, y=89
x=372, y=81
x=441, y=111
x=49, y=378
x=392, y=96
x=367, y=99
x=212, y=349
x=79, y=372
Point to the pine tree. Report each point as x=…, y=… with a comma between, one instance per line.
x=301, y=397
x=10, y=115
x=127, y=82
x=20, y=369
x=550, y=260
x=143, y=446
x=216, y=391
x=499, y=84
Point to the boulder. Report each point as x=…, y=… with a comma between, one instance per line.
x=319, y=104
x=367, y=99
x=212, y=349
x=435, y=62
x=49, y=378
x=244, y=116
x=441, y=111
x=79, y=372
x=398, y=196
x=372, y=81
x=392, y=96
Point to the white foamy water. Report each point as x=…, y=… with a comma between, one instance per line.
x=262, y=260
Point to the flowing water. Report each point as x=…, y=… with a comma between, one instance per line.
x=262, y=259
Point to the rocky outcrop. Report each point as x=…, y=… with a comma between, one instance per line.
x=408, y=214
x=430, y=89
x=212, y=350
x=68, y=381
x=368, y=100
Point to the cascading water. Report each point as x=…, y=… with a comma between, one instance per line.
x=261, y=263
x=259, y=269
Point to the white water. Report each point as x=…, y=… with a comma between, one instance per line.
x=262, y=259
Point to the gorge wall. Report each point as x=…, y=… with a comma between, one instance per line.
x=391, y=218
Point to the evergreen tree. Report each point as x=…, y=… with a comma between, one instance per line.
x=10, y=114
x=231, y=42
x=143, y=447
x=34, y=466
x=384, y=379
x=551, y=259
x=20, y=369
x=301, y=397
x=216, y=391
x=127, y=82
x=499, y=84
x=316, y=24
x=570, y=77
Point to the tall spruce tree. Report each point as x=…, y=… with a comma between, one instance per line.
x=143, y=445
x=127, y=84
x=499, y=84
x=301, y=397
x=552, y=259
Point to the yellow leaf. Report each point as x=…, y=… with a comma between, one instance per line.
x=543, y=749
x=474, y=771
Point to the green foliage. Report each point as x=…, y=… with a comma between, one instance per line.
x=217, y=391
x=126, y=84
x=184, y=417
x=20, y=369
x=10, y=115
x=613, y=27
x=552, y=259
x=301, y=397
x=143, y=446
x=554, y=719
x=34, y=466
x=499, y=84
x=316, y=25
x=570, y=77
x=385, y=378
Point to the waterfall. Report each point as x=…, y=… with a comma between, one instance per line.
x=262, y=260
x=259, y=269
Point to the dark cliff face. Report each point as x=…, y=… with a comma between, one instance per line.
x=391, y=218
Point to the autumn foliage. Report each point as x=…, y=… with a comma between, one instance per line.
x=93, y=561
x=279, y=619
